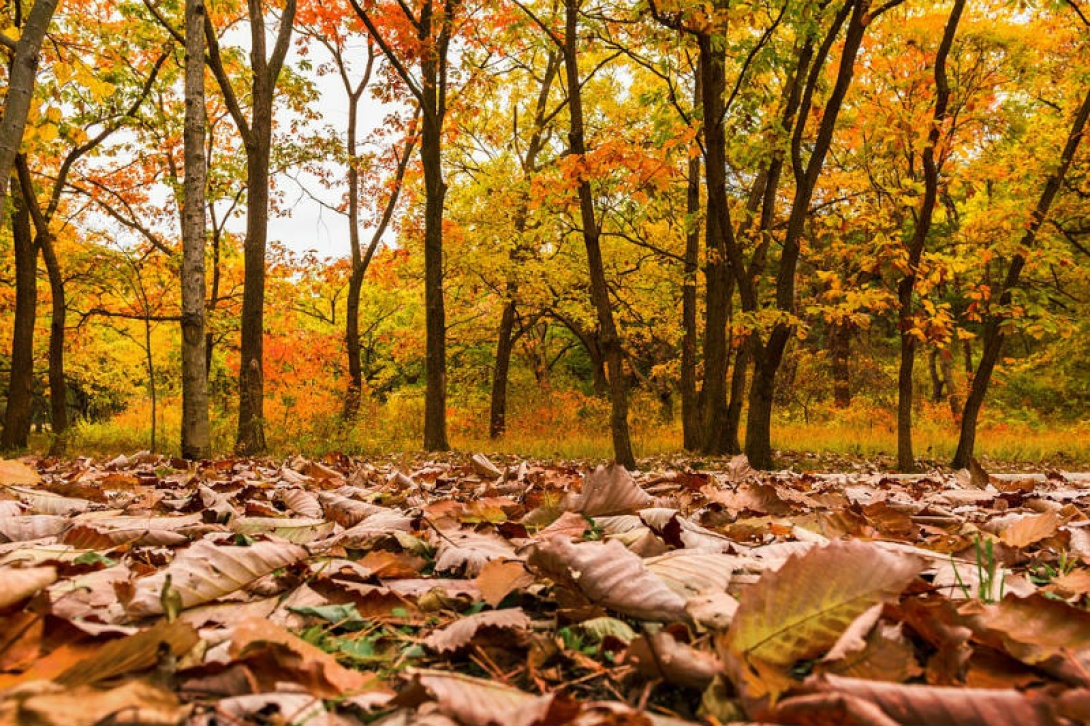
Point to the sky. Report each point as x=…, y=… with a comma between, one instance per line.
x=307, y=224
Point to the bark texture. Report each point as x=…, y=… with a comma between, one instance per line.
x=196, y=436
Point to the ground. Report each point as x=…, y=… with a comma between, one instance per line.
x=469, y=591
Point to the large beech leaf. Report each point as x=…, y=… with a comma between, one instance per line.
x=43, y=703
x=274, y=656
x=917, y=704
x=694, y=573
x=23, y=528
x=610, y=575
x=46, y=502
x=19, y=583
x=608, y=490
x=1033, y=629
x=207, y=571
x=477, y=702
x=460, y=633
x=14, y=472
x=299, y=531
x=137, y=652
x=800, y=610
x=467, y=551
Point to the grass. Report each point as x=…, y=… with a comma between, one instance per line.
x=569, y=426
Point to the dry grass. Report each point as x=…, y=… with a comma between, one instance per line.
x=571, y=426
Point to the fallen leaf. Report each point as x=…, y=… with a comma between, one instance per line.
x=499, y=578
x=19, y=583
x=207, y=571
x=611, y=576
x=461, y=632
x=608, y=490
x=802, y=609
x=16, y=473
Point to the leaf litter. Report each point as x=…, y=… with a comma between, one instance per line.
x=462, y=591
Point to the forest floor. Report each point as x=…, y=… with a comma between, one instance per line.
x=455, y=590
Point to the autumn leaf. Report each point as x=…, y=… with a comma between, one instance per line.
x=16, y=473
x=207, y=570
x=610, y=575
x=802, y=609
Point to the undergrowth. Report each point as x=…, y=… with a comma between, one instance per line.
x=570, y=425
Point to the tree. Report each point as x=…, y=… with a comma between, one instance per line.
x=916, y=245
x=22, y=71
x=256, y=135
x=17, y=413
x=433, y=25
x=996, y=322
x=196, y=437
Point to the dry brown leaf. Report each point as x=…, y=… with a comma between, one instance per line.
x=484, y=468
x=207, y=571
x=132, y=654
x=26, y=527
x=608, y=490
x=134, y=702
x=92, y=596
x=274, y=655
x=690, y=574
x=477, y=702
x=301, y=502
x=499, y=578
x=611, y=576
x=16, y=473
x=19, y=583
x=374, y=527
x=461, y=632
x=1070, y=584
x=299, y=531
x=466, y=551
x=46, y=502
x=661, y=656
x=297, y=709
x=345, y=511
x=1033, y=629
x=1031, y=529
x=915, y=704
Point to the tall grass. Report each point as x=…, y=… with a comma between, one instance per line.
x=568, y=425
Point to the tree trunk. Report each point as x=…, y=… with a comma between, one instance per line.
x=737, y=396
x=20, y=384
x=21, y=76
x=257, y=138
x=906, y=462
x=250, y=439
x=196, y=436
x=717, y=273
x=355, y=281
x=769, y=356
x=951, y=387
x=435, y=325
x=497, y=420
x=690, y=412
x=906, y=288
x=938, y=383
x=58, y=384
x=599, y=289
x=840, y=342
x=993, y=327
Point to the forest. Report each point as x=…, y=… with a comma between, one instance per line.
x=545, y=362
x=649, y=227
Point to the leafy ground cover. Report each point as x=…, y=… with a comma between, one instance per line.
x=344, y=591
